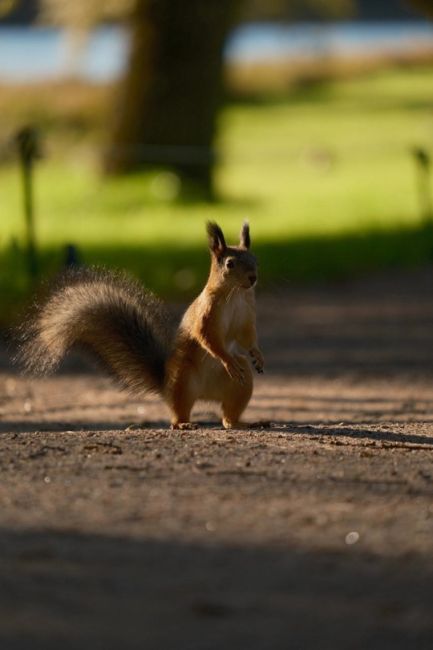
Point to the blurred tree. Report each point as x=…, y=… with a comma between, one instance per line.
x=167, y=108
x=172, y=89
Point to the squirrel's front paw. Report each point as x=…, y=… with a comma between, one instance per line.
x=257, y=359
x=235, y=368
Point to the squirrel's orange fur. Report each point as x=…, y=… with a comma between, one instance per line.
x=205, y=358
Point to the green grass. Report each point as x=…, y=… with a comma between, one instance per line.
x=325, y=176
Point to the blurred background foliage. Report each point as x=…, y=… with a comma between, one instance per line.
x=319, y=151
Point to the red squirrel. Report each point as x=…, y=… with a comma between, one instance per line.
x=207, y=357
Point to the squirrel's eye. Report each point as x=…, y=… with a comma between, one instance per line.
x=230, y=264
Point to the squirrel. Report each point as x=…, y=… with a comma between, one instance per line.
x=129, y=330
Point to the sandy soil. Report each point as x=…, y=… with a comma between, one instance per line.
x=315, y=533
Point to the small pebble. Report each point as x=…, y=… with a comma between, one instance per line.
x=352, y=538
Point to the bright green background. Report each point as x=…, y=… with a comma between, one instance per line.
x=326, y=177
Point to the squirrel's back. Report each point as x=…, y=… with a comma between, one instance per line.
x=127, y=328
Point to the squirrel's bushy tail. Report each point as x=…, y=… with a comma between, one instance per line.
x=124, y=326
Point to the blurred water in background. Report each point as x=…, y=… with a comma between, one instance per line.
x=261, y=42
x=36, y=53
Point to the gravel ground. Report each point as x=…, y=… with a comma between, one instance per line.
x=314, y=533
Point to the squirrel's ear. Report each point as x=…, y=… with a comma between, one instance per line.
x=245, y=241
x=217, y=243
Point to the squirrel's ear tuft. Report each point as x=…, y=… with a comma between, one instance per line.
x=217, y=243
x=245, y=240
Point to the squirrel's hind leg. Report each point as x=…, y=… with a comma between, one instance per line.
x=181, y=403
x=235, y=400
x=181, y=418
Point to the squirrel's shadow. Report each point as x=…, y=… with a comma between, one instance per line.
x=38, y=426
x=301, y=430
x=353, y=432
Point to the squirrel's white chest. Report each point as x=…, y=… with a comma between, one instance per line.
x=232, y=316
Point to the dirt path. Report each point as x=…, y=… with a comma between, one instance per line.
x=316, y=533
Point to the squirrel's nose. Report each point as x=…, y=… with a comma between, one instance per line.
x=252, y=278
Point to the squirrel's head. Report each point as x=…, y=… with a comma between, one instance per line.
x=234, y=266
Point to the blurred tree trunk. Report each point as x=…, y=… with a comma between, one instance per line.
x=173, y=89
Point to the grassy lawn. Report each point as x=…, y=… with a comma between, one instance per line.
x=325, y=175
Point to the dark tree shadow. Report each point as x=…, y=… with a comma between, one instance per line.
x=80, y=591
